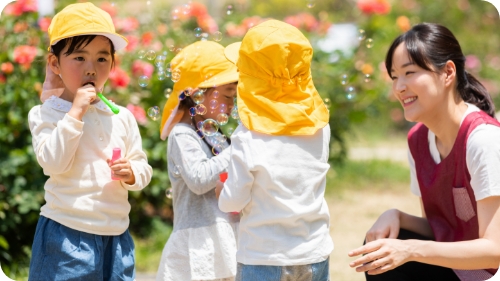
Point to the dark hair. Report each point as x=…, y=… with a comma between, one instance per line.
x=76, y=43
x=431, y=44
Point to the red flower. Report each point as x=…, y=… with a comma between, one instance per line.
x=207, y=23
x=109, y=8
x=7, y=67
x=119, y=78
x=139, y=113
x=146, y=38
x=2, y=79
x=140, y=67
x=197, y=9
x=20, y=27
x=380, y=7
x=21, y=6
x=44, y=23
x=25, y=55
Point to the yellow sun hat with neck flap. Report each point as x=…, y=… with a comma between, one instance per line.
x=276, y=93
x=202, y=64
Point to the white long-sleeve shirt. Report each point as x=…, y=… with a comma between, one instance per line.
x=278, y=183
x=79, y=192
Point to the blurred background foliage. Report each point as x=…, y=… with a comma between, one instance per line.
x=349, y=37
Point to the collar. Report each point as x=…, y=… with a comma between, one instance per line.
x=64, y=105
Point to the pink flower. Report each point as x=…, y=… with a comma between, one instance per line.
x=140, y=67
x=25, y=55
x=7, y=67
x=380, y=7
x=21, y=6
x=44, y=23
x=125, y=25
x=133, y=41
x=472, y=62
x=139, y=113
x=109, y=8
x=303, y=20
x=119, y=78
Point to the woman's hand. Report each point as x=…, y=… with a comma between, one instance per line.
x=382, y=255
x=122, y=169
x=386, y=226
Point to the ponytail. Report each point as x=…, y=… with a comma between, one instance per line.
x=475, y=93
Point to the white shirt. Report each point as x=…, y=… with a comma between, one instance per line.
x=278, y=183
x=79, y=192
x=482, y=158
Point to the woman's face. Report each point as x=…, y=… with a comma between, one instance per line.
x=421, y=92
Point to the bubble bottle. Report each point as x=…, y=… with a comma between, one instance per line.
x=117, y=154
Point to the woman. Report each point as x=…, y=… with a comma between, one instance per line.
x=454, y=159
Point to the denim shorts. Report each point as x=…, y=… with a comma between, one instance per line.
x=62, y=253
x=309, y=272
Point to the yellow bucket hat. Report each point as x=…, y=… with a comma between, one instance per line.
x=84, y=19
x=200, y=65
x=276, y=94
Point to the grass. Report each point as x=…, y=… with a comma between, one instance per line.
x=148, y=250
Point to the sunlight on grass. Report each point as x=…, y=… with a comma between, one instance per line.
x=372, y=174
x=148, y=250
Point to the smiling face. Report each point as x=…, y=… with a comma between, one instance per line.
x=88, y=64
x=421, y=92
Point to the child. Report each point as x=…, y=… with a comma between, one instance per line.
x=82, y=233
x=279, y=160
x=454, y=159
x=202, y=245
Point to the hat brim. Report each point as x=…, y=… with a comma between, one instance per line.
x=119, y=42
x=232, y=52
x=228, y=76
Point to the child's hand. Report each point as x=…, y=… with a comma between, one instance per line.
x=83, y=98
x=121, y=169
x=218, y=189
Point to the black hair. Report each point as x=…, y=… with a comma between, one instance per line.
x=430, y=44
x=75, y=43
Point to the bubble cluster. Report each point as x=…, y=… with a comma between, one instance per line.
x=154, y=112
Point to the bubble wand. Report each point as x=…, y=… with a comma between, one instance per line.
x=111, y=106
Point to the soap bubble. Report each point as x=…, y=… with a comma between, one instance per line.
x=143, y=81
x=217, y=36
x=154, y=112
x=192, y=111
x=161, y=75
x=343, y=79
x=229, y=10
x=167, y=92
x=168, y=193
x=230, y=131
x=213, y=104
x=327, y=102
x=361, y=34
x=197, y=32
x=234, y=113
x=215, y=94
x=176, y=75
x=311, y=3
x=350, y=93
x=223, y=108
x=201, y=109
x=216, y=149
x=222, y=118
x=141, y=54
x=150, y=55
x=198, y=96
x=209, y=127
x=369, y=43
x=160, y=60
x=368, y=78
